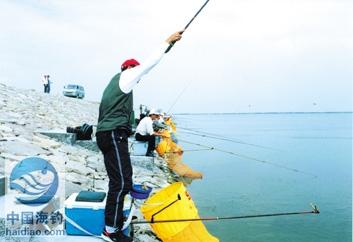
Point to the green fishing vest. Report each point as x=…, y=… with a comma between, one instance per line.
x=116, y=107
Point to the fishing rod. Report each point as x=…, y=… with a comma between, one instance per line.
x=197, y=133
x=172, y=44
x=188, y=24
x=252, y=158
x=314, y=210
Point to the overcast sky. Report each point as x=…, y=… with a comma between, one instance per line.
x=237, y=56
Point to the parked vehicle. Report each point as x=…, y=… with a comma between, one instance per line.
x=73, y=90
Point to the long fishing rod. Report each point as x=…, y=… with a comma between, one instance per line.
x=252, y=158
x=314, y=210
x=172, y=44
x=197, y=133
x=188, y=24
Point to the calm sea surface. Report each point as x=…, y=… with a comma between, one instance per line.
x=314, y=143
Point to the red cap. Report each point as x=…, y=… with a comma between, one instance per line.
x=127, y=63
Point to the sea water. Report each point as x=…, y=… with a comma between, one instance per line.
x=318, y=145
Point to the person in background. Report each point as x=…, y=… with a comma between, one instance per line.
x=145, y=132
x=113, y=130
x=46, y=83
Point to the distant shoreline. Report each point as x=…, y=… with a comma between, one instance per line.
x=340, y=112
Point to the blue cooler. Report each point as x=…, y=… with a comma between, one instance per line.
x=87, y=218
x=84, y=218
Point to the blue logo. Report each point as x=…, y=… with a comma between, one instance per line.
x=35, y=179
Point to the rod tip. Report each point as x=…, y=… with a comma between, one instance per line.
x=315, y=208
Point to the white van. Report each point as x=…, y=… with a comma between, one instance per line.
x=72, y=90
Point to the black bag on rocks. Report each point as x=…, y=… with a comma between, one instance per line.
x=83, y=132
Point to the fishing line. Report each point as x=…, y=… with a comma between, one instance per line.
x=176, y=100
x=207, y=133
x=191, y=150
x=172, y=44
x=203, y=132
x=252, y=158
x=192, y=132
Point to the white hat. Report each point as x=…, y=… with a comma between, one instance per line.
x=153, y=111
x=160, y=111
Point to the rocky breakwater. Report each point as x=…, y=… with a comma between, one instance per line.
x=24, y=112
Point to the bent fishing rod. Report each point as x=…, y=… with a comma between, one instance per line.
x=172, y=44
x=188, y=24
x=251, y=158
x=314, y=210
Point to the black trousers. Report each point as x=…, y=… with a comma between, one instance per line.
x=151, y=139
x=46, y=88
x=114, y=146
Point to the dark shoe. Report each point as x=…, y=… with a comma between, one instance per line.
x=115, y=237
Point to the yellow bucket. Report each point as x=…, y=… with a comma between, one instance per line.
x=167, y=146
x=162, y=147
x=195, y=232
x=180, y=209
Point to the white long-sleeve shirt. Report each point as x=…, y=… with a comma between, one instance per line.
x=145, y=126
x=130, y=77
x=45, y=80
